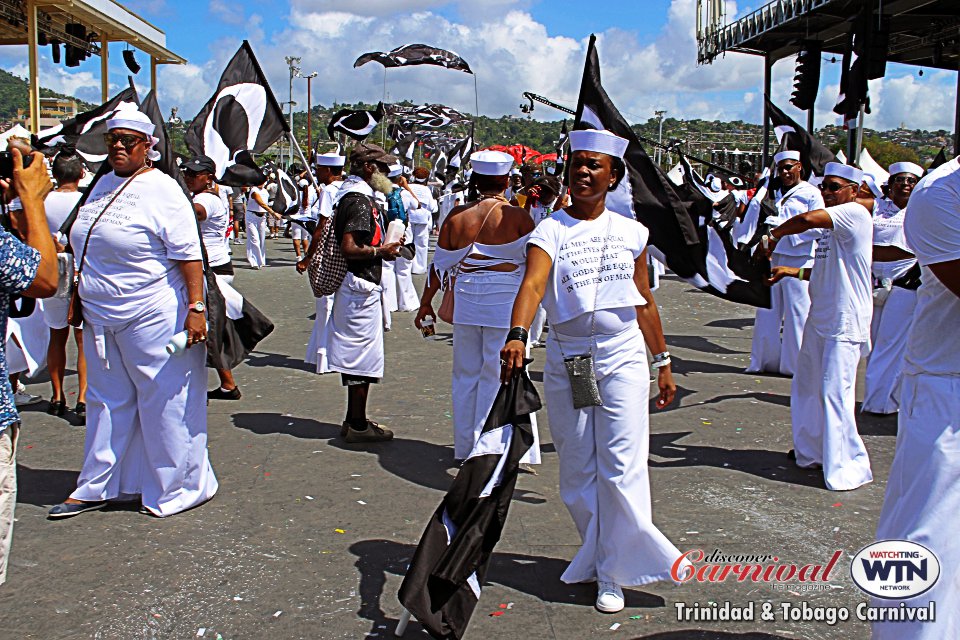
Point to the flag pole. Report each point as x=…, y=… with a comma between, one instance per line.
x=402, y=623
x=296, y=145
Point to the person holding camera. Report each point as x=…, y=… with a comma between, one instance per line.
x=28, y=267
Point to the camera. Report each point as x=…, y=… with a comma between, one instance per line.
x=6, y=164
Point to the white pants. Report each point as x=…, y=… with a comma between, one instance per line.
x=355, y=339
x=421, y=240
x=298, y=233
x=777, y=331
x=317, y=347
x=474, y=386
x=823, y=411
x=407, y=297
x=388, y=293
x=256, y=240
x=536, y=327
x=603, y=462
x=8, y=493
x=922, y=502
x=146, y=416
x=888, y=334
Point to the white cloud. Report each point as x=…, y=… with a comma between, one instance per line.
x=228, y=12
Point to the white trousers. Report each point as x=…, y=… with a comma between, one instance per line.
x=603, y=463
x=355, y=339
x=27, y=342
x=8, y=493
x=823, y=411
x=536, y=327
x=146, y=416
x=407, y=297
x=257, y=240
x=421, y=240
x=388, y=293
x=888, y=334
x=777, y=331
x=317, y=346
x=474, y=386
x=922, y=502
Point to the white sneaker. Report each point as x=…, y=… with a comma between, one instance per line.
x=22, y=398
x=609, y=597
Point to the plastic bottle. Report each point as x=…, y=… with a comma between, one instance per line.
x=394, y=232
x=427, y=327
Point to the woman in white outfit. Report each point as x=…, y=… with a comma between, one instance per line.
x=421, y=219
x=482, y=246
x=896, y=277
x=141, y=282
x=256, y=223
x=588, y=266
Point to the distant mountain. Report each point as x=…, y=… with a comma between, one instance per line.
x=15, y=94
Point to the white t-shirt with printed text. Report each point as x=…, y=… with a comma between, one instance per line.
x=888, y=232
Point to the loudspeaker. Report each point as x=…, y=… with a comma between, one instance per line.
x=130, y=61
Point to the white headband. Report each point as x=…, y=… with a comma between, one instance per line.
x=137, y=121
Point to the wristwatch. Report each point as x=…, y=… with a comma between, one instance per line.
x=197, y=306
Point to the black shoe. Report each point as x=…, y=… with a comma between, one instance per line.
x=57, y=407
x=81, y=411
x=220, y=394
x=343, y=429
x=791, y=455
x=69, y=509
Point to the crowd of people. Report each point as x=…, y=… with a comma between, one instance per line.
x=858, y=269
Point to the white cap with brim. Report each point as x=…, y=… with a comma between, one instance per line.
x=872, y=183
x=331, y=159
x=906, y=167
x=491, y=163
x=137, y=121
x=600, y=141
x=786, y=155
x=395, y=170
x=844, y=171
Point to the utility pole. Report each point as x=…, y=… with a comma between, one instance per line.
x=659, y=115
x=309, y=136
x=292, y=62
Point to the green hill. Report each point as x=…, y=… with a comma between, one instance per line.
x=14, y=94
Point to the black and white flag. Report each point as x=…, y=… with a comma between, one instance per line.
x=439, y=168
x=457, y=158
x=443, y=583
x=680, y=236
x=286, y=200
x=355, y=123
x=85, y=131
x=939, y=159
x=414, y=54
x=814, y=155
x=242, y=118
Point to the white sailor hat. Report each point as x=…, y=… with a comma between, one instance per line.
x=303, y=182
x=786, y=155
x=395, y=170
x=332, y=159
x=491, y=163
x=601, y=141
x=715, y=184
x=515, y=172
x=844, y=171
x=906, y=167
x=872, y=183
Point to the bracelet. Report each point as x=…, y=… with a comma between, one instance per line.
x=518, y=333
x=374, y=252
x=765, y=241
x=660, y=357
x=800, y=274
x=659, y=364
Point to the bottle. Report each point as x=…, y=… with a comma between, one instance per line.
x=177, y=343
x=427, y=327
x=394, y=231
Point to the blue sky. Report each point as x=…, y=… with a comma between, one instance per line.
x=647, y=52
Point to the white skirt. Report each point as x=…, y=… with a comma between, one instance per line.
x=355, y=341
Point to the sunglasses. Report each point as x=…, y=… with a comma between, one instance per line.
x=833, y=187
x=905, y=180
x=127, y=140
x=786, y=168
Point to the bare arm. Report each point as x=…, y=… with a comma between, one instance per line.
x=199, y=210
x=817, y=219
x=648, y=317
x=531, y=292
x=32, y=185
x=266, y=207
x=196, y=323
x=949, y=274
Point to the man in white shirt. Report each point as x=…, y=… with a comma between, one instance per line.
x=896, y=277
x=773, y=351
x=837, y=330
x=421, y=219
x=922, y=501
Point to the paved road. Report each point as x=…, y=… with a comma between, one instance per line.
x=308, y=536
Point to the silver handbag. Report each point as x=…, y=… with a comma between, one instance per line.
x=583, y=381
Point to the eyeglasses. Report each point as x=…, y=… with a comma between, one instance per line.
x=127, y=140
x=905, y=180
x=786, y=168
x=833, y=187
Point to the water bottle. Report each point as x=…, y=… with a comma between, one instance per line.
x=394, y=232
x=178, y=343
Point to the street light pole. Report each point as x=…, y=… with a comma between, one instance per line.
x=309, y=136
x=659, y=114
x=292, y=62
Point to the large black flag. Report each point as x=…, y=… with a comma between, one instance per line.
x=356, y=123
x=855, y=71
x=814, y=155
x=443, y=583
x=941, y=158
x=286, y=201
x=413, y=54
x=680, y=236
x=85, y=131
x=242, y=118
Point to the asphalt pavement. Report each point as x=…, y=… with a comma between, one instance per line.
x=309, y=537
